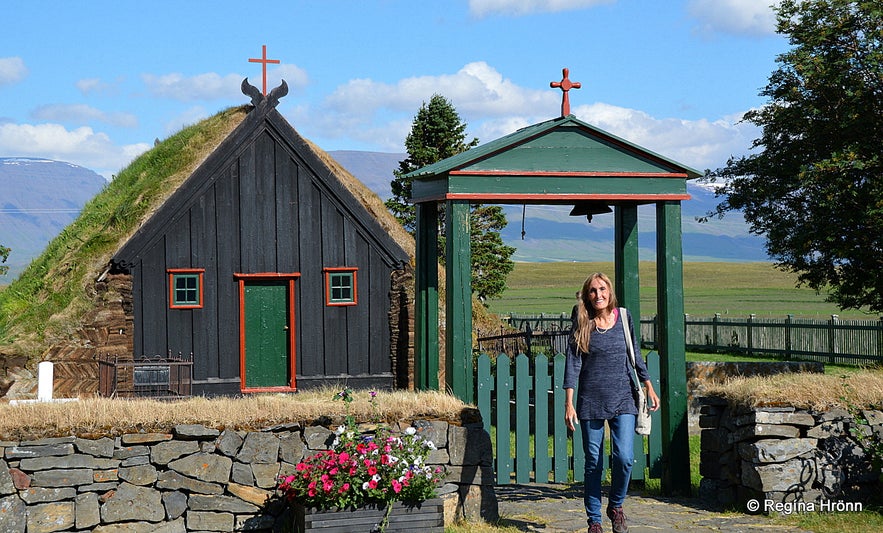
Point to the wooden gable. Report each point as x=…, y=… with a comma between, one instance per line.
x=557, y=161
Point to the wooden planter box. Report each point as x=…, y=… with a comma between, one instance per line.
x=426, y=517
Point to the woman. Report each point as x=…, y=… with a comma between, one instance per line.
x=598, y=361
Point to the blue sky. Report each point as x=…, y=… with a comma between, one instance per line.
x=95, y=82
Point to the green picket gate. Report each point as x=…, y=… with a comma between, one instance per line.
x=521, y=400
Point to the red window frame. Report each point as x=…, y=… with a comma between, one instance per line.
x=337, y=270
x=200, y=272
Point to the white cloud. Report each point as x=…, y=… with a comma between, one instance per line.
x=211, y=86
x=481, y=8
x=476, y=89
x=187, y=118
x=208, y=86
x=12, y=70
x=363, y=107
x=80, y=113
x=699, y=144
x=748, y=17
x=97, y=86
x=82, y=146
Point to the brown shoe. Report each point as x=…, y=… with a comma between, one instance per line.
x=595, y=528
x=617, y=516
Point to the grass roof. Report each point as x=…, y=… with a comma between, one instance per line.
x=45, y=303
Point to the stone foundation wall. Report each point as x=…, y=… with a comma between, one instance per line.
x=201, y=479
x=787, y=456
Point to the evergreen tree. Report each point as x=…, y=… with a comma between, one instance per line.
x=437, y=133
x=814, y=185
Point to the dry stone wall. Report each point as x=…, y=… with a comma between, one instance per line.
x=201, y=479
x=784, y=458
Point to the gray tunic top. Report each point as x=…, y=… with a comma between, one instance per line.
x=603, y=374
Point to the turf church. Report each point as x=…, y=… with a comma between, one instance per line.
x=274, y=267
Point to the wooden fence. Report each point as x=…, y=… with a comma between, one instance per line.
x=521, y=400
x=829, y=341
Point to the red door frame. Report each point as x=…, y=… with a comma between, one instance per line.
x=292, y=355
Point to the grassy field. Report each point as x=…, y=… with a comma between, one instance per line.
x=731, y=289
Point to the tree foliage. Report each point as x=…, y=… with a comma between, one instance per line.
x=437, y=133
x=813, y=186
x=4, y=255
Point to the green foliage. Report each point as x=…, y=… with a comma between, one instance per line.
x=814, y=187
x=438, y=133
x=53, y=284
x=491, y=259
x=4, y=255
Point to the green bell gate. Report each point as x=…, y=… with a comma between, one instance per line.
x=563, y=161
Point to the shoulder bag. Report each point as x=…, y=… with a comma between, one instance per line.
x=642, y=421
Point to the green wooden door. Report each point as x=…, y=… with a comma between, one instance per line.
x=267, y=349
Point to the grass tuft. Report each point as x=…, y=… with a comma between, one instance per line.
x=817, y=392
x=94, y=417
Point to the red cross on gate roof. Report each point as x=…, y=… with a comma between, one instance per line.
x=565, y=85
x=263, y=60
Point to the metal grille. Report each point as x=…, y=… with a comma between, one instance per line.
x=156, y=377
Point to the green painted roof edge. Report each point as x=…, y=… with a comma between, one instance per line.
x=470, y=156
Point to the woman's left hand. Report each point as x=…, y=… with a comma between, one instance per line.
x=652, y=398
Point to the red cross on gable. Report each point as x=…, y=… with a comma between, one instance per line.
x=565, y=85
x=263, y=60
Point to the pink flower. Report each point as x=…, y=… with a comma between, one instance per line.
x=396, y=486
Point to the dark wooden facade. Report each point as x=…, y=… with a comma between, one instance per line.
x=261, y=222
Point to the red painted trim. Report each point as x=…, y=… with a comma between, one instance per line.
x=292, y=334
x=267, y=275
x=292, y=337
x=576, y=173
x=241, y=333
x=328, y=271
x=171, y=272
x=254, y=390
x=551, y=199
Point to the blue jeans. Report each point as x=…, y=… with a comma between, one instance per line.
x=622, y=434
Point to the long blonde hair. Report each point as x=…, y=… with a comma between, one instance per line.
x=585, y=311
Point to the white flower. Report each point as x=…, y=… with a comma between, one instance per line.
x=365, y=486
x=410, y=431
x=431, y=445
x=340, y=430
x=375, y=477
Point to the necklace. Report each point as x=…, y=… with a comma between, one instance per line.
x=601, y=330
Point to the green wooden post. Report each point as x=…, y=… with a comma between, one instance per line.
x=628, y=285
x=426, y=304
x=458, y=276
x=673, y=382
x=628, y=292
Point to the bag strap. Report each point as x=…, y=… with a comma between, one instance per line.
x=628, y=335
x=630, y=348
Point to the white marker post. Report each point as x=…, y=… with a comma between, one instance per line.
x=45, y=378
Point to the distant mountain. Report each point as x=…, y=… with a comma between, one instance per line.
x=38, y=198
x=374, y=169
